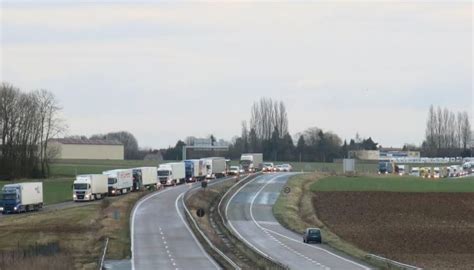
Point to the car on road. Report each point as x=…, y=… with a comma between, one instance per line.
x=279, y=168
x=268, y=167
x=286, y=168
x=312, y=235
x=234, y=170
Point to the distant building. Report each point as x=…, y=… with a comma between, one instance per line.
x=86, y=149
x=365, y=154
x=154, y=156
x=383, y=153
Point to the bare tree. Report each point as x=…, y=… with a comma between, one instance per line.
x=446, y=133
x=267, y=116
x=27, y=121
x=465, y=130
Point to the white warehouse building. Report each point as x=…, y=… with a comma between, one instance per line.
x=86, y=149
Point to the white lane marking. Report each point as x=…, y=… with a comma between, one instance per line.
x=232, y=226
x=139, y=203
x=134, y=211
x=297, y=241
x=191, y=232
x=262, y=228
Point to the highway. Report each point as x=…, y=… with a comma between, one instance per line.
x=249, y=212
x=161, y=238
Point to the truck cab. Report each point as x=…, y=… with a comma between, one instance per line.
x=165, y=175
x=189, y=171
x=11, y=199
x=82, y=190
x=246, y=162
x=385, y=167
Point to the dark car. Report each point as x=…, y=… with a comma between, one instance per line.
x=312, y=235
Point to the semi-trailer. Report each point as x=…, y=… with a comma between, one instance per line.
x=171, y=173
x=22, y=197
x=195, y=169
x=119, y=181
x=89, y=187
x=215, y=167
x=145, y=177
x=251, y=162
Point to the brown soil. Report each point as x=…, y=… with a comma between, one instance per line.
x=428, y=230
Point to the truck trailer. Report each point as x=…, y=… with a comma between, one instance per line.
x=172, y=173
x=119, y=181
x=145, y=177
x=89, y=187
x=215, y=167
x=251, y=162
x=195, y=170
x=22, y=197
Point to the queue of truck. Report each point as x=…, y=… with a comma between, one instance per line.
x=28, y=196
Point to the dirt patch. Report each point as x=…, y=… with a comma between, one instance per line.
x=429, y=230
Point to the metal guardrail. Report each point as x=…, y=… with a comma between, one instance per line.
x=225, y=223
x=211, y=245
x=103, y=255
x=392, y=262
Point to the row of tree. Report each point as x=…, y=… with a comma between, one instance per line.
x=27, y=121
x=447, y=133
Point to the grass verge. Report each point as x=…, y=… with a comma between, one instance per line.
x=78, y=232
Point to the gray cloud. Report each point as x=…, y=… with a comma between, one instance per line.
x=150, y=68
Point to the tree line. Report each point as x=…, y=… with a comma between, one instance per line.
x=27, y=121
x=447, y=133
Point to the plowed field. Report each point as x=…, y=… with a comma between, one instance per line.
x=428, y=230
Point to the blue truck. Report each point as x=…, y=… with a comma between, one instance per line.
x=385, y=167
x=22, y=197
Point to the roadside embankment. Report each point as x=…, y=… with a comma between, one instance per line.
x=71, y=238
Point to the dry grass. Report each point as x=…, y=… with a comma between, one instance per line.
x=75, y=229
x=115, y=224
x=56, y=262
x=79, y=231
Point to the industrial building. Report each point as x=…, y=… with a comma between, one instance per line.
x=86, y=149
x=382, y=154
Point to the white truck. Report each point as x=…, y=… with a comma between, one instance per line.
x=145, y=177
x=119, y=181
x=172, y=173
x=22, y=197
x=215, y=167
x=195, y=170
x=89, y=187
x=415, y=171
x=251, y=162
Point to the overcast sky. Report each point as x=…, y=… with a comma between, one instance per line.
x=168, y=70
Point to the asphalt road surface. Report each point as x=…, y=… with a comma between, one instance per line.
x=249, y=213
x=161, y=238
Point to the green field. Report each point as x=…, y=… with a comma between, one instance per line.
x=54, y=190
x=393, y=183
x=71, y=168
